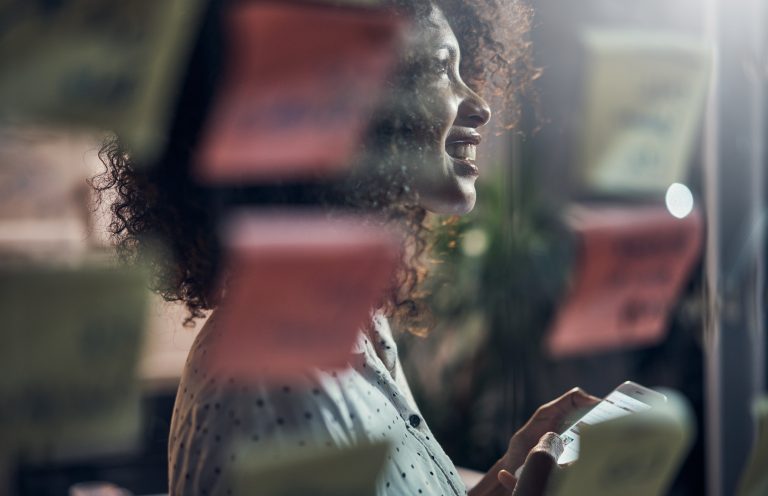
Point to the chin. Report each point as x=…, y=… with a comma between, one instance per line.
x=451, y=191
x=459, y=201
x=464, y=207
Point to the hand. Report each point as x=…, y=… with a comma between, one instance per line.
x=539, y=459
x=538, y=466
x=549, y=417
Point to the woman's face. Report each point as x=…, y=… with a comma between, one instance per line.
x=445, y=115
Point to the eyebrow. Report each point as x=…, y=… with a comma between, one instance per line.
x=451, y=49
x=453, y=52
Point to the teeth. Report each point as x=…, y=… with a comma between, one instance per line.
x=462, y=151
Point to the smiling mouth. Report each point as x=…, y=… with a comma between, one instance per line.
x=462, y=148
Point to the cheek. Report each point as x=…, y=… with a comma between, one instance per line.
x=442, y=109
x=433, y=110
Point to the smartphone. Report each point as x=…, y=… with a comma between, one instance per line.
x=628, y=398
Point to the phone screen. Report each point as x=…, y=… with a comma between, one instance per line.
x=615, y=405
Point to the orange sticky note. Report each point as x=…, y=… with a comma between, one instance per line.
x=301, y=288
x=633, y=264
x=299, y=87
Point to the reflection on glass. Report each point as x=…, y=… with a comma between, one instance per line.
x=679, y=200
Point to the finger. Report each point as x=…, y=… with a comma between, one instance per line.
x=533, y=480
x=507, y=480
x=538, y=466
x=551, y=444
x=577, y=398
x=549, y=417
x=572, y=401
x=552, y=415
x=583, y=399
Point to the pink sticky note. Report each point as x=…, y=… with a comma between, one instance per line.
x=302, y=288
x=633, y=264
x=299, y=87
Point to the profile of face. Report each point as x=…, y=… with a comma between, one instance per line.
x=443, y=116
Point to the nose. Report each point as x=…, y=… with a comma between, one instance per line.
x=473, y=111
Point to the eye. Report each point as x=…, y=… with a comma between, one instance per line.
x=437, y=66
x=441, y=66
x=444, y=62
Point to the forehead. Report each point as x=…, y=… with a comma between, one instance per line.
x=434, y=32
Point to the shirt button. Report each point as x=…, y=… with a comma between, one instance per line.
x=414, y=420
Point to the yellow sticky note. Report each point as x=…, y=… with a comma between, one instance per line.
x=71, y=343
x=319, y=471
x=635, y=455
x=645, y=94
x=754, y=481
x=112, y=65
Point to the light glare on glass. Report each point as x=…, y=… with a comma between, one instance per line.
x=679, y=200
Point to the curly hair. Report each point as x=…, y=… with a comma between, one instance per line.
x=161, y=208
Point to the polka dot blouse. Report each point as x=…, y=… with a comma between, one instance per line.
x=368, y=401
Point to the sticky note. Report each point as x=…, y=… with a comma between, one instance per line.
x=632, y=265
x=635, y=455
x=300, y=84
x=45, y=205
x=71, y=341
x=321, y=471
x=301, y=286
x=112, y=66
x=644, y=98
x=754, y=481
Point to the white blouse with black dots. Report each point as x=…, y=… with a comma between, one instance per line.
x=368, y=401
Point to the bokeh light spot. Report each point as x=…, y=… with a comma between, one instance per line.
x=679, y=200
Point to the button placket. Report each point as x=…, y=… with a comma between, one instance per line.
x=438, y=458
x=414, y=420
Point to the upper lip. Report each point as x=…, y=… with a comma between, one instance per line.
x=463, y=135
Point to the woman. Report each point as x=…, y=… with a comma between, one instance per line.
x=419, y=157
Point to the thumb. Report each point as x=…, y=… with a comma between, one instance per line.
x=550, y=443
x=540, y=462
x=507, y=480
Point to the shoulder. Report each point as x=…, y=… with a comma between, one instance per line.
x=268, y=405
x=214, y=418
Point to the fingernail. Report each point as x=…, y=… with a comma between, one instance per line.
x=552, y=444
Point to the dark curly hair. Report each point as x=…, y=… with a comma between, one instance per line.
x=160, y=208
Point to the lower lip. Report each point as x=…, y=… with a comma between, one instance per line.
x=464, y=168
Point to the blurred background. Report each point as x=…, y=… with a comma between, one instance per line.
x=574, y=269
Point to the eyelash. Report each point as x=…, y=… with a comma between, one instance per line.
x=442, y=66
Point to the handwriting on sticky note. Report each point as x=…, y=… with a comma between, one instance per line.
x=299, y=289
x=298, y=89
x=636, y=455
x=350, y=471
x=632, y=266
x=644, y=100
x=71, y=344
x=111, y=66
